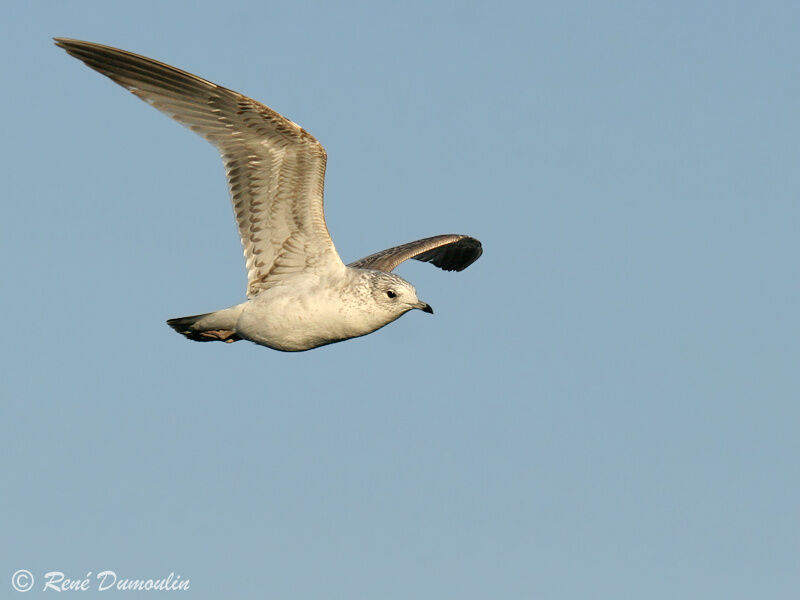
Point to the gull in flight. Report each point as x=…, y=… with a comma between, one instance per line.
x=300, y=293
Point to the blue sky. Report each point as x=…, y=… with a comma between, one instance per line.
x=604, y=406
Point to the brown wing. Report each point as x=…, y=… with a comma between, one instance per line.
x=275, y=168
x=451, y=252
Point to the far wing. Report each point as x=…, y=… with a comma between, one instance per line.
x=451, y=252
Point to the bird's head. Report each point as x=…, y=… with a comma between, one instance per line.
x=395, y=295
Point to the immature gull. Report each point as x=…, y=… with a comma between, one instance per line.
x=300, y=293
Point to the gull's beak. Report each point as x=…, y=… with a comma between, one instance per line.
x=424, y=307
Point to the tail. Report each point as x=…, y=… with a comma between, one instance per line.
x=219, y=326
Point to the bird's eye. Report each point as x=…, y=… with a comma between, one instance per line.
x=391, y=294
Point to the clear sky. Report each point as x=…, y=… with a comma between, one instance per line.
x=605, y=405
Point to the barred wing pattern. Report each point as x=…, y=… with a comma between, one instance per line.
x=275, y=168
x=451, y=252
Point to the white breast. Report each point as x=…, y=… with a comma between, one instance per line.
x=309, y=313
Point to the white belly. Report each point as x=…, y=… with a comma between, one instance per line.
x=295, y=319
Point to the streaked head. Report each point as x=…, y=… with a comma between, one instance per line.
x=395, y=295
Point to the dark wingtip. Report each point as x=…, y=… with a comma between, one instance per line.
x=63, y=42
x=458, y=255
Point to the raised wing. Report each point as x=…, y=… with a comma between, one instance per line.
x=275, y=168
x=449, y=252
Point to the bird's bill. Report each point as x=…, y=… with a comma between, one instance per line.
x=424, y=307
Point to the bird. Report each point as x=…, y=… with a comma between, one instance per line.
x=300, y=294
